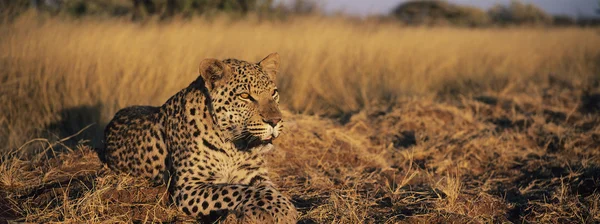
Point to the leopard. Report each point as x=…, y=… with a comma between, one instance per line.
x=207, y=142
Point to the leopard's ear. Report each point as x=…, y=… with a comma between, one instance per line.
x=270, y=65
x=214, y=72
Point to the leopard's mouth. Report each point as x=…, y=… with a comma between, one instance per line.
x=270, y=141
x=259, y=142
x=255, y=142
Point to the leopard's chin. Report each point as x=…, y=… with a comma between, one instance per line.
x=255, y=142
x=259, y=142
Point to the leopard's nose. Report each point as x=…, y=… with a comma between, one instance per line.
x=273, y=121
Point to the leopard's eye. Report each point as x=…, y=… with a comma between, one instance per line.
x=246, y=97
x=275, y=92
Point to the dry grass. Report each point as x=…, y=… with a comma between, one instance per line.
x=432, y=124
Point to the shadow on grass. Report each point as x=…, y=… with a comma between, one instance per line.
x=76, y=124
x=540, y=184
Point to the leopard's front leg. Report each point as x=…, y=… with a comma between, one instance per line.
x=261, y=203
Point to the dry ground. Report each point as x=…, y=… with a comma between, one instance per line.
x=488, y=159
x=415, y=125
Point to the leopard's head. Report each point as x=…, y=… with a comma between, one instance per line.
x=245, y=99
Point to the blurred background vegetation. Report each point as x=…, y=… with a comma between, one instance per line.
x=66, y=64
x=427, y=12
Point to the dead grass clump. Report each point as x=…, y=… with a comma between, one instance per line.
x=75, y=187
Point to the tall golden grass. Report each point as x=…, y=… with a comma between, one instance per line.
x=52, y=68
x=490, y=125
